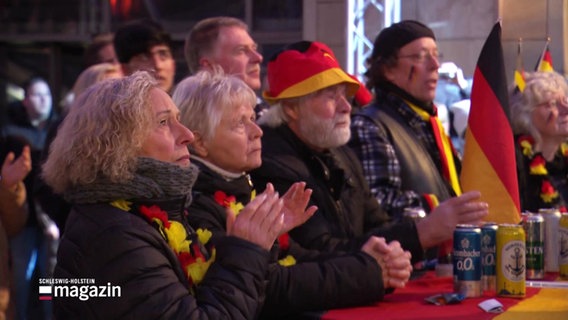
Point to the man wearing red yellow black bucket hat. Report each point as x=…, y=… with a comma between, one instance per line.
x=310, y=68
x=305, y=135
x=316, y=73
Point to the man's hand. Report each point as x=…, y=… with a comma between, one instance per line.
x=394, y=261
x=439, y=225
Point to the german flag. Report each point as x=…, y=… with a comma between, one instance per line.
x=544, y=63
x=519, y=70
x=489, y=156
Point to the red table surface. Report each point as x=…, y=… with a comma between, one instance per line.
x=409, y=303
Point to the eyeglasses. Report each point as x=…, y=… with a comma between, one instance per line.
x=423, y=55
x=554, y=103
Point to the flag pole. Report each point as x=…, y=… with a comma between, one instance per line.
x=519, y=74
x=520, y=55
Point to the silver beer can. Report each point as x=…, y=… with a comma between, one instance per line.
x=414, y=213
x=551, y=240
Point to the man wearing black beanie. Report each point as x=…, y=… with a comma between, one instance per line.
x=407, y=157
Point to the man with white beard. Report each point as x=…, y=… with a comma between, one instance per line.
x=305, y=135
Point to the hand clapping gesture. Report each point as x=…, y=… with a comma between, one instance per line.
x=261, y=221
x=295, y=201
x=14, y=171
x=268, y=216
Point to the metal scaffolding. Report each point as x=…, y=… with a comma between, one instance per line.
x=364, y=19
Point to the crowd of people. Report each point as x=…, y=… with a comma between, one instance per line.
x=218, y=197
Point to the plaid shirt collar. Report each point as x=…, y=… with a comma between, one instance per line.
x=395, y=98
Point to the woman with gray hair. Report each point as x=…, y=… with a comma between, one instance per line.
x=539, y=117
x=219, y=110
x=121, y=159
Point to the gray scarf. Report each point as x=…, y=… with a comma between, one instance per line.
x=153, y=179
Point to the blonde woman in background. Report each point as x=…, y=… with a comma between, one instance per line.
x=91, y=75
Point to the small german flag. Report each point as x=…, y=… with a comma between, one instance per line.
x=544, y=63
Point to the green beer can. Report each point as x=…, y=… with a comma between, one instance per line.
x=534, y=231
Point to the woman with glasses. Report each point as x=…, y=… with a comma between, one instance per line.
x=539, y=117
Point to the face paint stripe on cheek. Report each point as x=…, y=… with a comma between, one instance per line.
x=411, y=73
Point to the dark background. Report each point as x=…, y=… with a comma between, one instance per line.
x=47, y=37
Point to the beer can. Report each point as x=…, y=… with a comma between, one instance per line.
x=488, y=246
x=525, y=214
x=511, y=261
x=414, y=213
x=533, y=225
x=467, y=260
x=551, y=248
x=563, y=234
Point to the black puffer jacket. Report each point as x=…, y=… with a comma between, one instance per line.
x=316, y=282
x=113, y=246
x=347, y=213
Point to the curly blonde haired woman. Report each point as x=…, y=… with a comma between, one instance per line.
x=121, y=159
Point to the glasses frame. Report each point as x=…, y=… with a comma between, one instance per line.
x=554, y=103
x=422, y=56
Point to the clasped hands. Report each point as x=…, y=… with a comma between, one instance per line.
x=393, y=260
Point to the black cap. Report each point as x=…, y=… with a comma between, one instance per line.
x=397, y=36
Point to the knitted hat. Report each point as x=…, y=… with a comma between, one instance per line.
x=397, y=36
x=302, y=68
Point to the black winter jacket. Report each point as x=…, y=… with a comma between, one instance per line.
x=316, y=282
x=347, y=213
x=113, y=246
